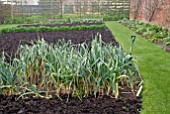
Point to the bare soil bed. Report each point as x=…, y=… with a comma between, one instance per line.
x=9, y=43
x=90, y=105
x=59, y=25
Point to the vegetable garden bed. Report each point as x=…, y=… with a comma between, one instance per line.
x=90, y=74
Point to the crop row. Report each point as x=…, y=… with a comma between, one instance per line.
x=50, y=29
x=57, y=19
x=65, y=68
x=152, y=33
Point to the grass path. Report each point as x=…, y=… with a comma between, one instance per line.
x=8, y=26
x=154, y=65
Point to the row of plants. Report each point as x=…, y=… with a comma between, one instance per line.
x=86, y=20
x=22, y=20
x=58, y=19
x=64, y=68
x=59, y=25
x=50, y=29
x=106, y=17
x=151, y=32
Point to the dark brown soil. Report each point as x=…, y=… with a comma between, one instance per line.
x=10, y=42
x=90, y=105
x=59, y=25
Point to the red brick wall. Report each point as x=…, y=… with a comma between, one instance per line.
x=143, y=9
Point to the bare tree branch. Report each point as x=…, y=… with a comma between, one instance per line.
x=152, y=8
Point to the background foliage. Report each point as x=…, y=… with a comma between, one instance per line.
x=63, y=9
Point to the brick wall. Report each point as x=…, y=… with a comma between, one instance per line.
x=155, y=11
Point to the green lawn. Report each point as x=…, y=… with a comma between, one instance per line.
x=7, y=26
x=154, y=65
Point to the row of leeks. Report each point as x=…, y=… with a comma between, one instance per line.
x=64, y=68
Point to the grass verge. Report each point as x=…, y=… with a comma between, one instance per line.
x=154, y=66
x=7, y=26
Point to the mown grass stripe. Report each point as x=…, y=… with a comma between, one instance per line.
x=154, y=65
x=8, y=26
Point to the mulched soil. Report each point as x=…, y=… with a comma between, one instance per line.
x=59, y=25
x=10, y=42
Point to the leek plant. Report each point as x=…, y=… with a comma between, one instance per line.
x=64, y=68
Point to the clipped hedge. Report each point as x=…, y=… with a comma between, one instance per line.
x=50, y=29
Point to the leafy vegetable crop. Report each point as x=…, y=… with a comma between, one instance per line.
x=65, y=68
x=153, y=33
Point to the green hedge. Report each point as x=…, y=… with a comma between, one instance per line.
x=50, y=29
